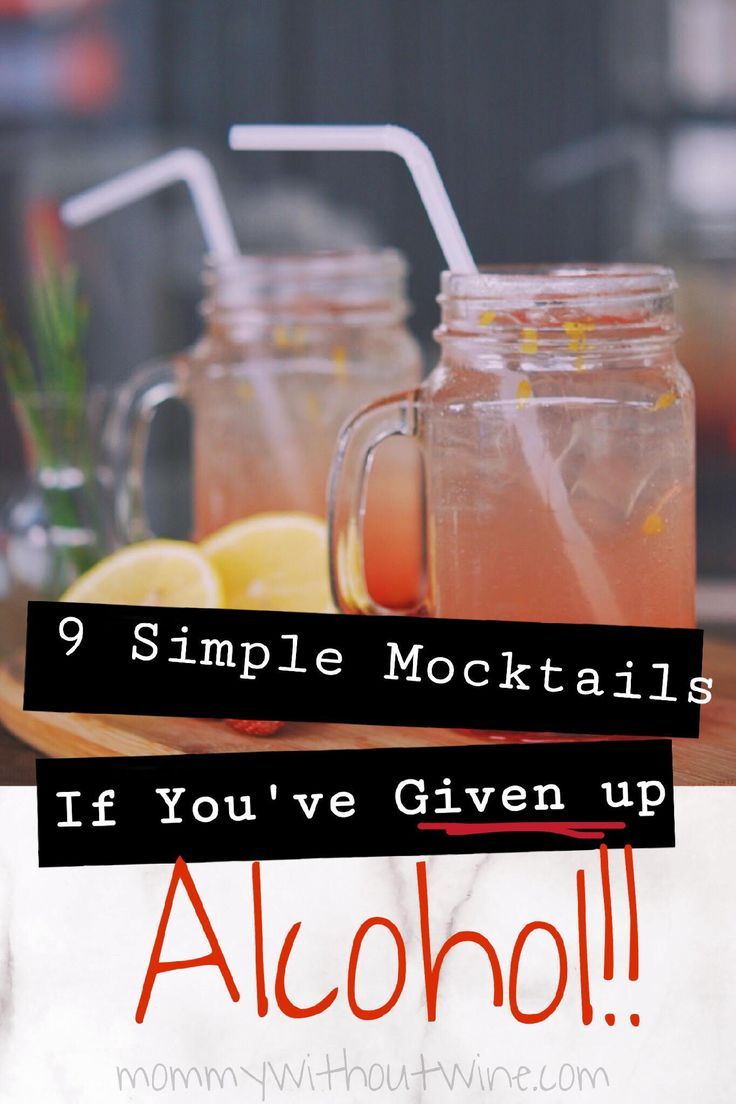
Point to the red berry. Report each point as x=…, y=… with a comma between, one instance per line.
x=255, y=728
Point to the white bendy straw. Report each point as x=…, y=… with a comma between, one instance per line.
x=374, y=139
x=187, y=166
x=191, y=167
x=421, y=164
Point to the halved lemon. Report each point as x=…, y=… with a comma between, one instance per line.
x=152, y=573
x=274, y=561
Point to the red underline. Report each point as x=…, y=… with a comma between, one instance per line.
x=574, y=829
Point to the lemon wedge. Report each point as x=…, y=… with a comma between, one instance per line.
x=152, y=573
x=274, y=561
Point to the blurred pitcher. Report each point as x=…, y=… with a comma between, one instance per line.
x=292, y=346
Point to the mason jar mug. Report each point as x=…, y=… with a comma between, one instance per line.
x=291, y=347
x=557, y=439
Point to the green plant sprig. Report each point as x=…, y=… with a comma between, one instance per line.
x=59, y=318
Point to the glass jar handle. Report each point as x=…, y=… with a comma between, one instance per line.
x=393, y=416
x=131, y=421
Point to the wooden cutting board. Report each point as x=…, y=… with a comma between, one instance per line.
x=711, y=760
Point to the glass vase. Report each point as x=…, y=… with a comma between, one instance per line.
x=54, y=522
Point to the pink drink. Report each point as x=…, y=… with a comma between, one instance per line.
x=558, y=444
x=496, y=548
x=292, y=347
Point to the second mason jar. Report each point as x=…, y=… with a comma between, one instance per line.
x=292, y=346
x=557, y=434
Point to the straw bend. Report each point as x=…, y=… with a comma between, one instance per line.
x=193, y=168
x=387, y=139
x=189, y=166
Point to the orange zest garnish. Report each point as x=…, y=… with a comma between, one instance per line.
x=524, y=392
x=653, y=525
x=576, y=333
x=665, y=400
x=529, y=341
x=280, y=336
x=340, y=360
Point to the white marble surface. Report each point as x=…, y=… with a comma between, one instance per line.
x=74, y=946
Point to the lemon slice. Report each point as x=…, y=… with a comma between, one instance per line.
x=275, y=561
x=152, y=573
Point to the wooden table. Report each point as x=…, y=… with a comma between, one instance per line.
x=709, y=761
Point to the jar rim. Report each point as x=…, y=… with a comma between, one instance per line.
x=543, y=285
x=582, y=308
x=355, y=287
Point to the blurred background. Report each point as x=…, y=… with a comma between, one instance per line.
x=579, y=129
